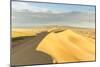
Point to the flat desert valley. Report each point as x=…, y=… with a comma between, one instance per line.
x=52, y=44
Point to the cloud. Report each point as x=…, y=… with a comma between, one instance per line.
x=28, y=18
x=22, y=6
x=25, y=14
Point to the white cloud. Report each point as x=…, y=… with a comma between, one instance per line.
x=21, y=6
x=29, y=19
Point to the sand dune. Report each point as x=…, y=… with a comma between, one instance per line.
x=68, y=46
x=18, y=32
x=55, y=46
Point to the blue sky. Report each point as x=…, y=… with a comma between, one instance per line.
x=63, y=7
x=29, y=14
x=53, y=7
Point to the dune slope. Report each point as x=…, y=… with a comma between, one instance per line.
x=68, y=46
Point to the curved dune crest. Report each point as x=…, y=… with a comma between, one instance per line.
x=68, y=46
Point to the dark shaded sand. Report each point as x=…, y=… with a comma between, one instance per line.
x=23, y=51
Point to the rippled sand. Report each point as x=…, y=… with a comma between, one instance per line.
x=52, y=45
x=68, y=46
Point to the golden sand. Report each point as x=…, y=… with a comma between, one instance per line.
x=68, y=46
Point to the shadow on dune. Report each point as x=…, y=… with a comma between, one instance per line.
x=24, y=53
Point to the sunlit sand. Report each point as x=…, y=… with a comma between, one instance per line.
x=52, y=45
x=68, y=46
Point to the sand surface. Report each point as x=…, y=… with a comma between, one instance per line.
x=68, y=46
x=44, y=48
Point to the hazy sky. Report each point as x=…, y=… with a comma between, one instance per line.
x=29, y=14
